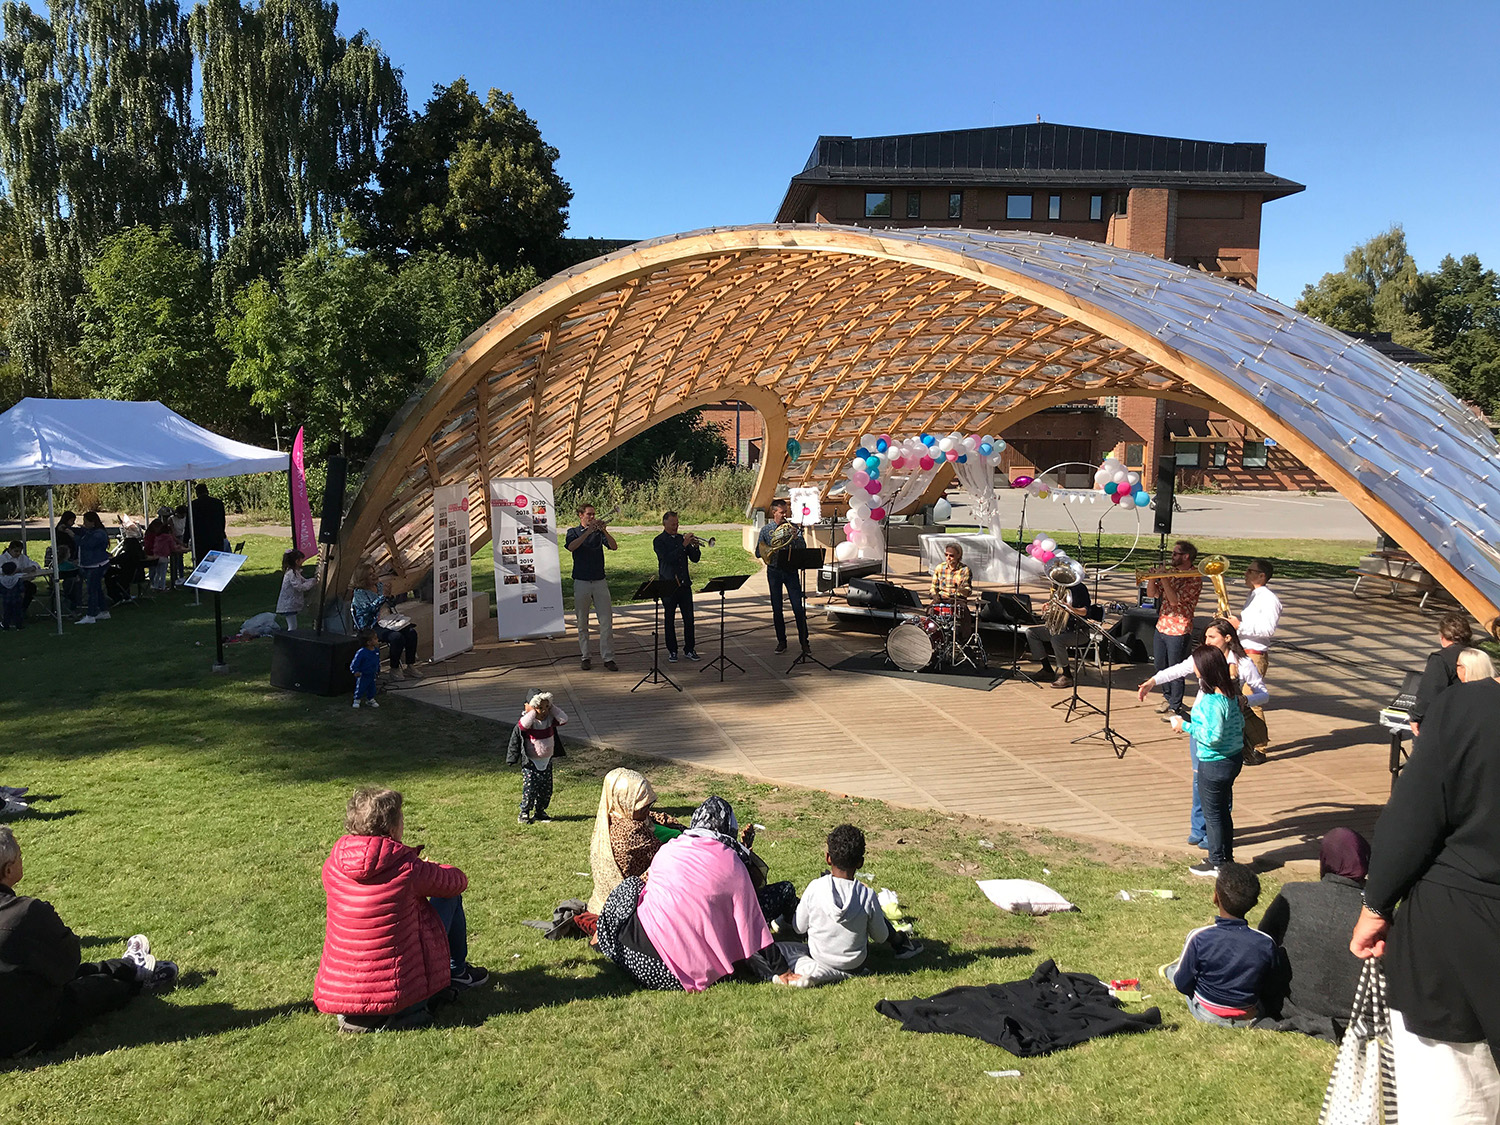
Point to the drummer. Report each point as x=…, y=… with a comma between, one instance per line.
x=952, y=582
x=1063, y=628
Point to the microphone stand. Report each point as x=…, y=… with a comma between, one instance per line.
x=1117, y=741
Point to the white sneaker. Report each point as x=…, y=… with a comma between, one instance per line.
x=102, y=615
x=85, y=621
x=13, y=807
x=356, y=704
x=372, y=702
x=138, y=953
x=412, y=672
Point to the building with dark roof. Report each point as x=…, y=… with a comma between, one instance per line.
x=1196, y=203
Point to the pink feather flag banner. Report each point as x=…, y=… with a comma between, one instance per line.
x=304, y=535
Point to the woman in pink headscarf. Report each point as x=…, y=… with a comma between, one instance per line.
x=695, y=919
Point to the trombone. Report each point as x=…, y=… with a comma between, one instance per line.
x=1214, y=567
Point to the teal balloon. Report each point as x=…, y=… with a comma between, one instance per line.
x=1142, y=500
x=1110, y=488
x=793, y=448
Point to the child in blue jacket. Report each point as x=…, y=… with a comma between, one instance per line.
x=366, y=666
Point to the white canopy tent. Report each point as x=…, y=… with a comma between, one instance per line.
x=46, y=442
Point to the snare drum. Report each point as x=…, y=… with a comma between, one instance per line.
x=909, y=646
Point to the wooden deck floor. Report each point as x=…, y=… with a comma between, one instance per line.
x=1005, y=754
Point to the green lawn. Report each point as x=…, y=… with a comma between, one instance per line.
x=198, y=808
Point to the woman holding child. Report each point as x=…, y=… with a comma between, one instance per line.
x=695, y=918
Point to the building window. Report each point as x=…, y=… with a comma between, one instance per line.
x=1018, y=206
x=1135, y=455
x=1111, y=405
x=1120, y=201
x=1219, y=454
x=914, y=205
x=955, y=205
x=1054, y=207
x=877, y=205
x=1254, y=456
x=1096, y=207
x=1187, y=454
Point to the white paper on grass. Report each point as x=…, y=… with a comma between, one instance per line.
x=1023, y=896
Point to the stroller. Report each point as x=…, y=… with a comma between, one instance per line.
x=126, y=569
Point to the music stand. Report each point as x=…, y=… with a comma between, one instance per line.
x=1108, y=645
x=803, y=559
x=721, y=586
x=1017, y=627
x=652, y=588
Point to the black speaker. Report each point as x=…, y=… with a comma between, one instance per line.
x=333, y=501
x=1166, y=489
x=881, y=595
x=319, y=664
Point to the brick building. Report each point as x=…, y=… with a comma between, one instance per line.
x=1197, y=203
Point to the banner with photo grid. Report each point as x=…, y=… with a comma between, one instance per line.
x=452, y=572
x=528, y=568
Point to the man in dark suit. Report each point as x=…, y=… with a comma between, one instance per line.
x=209, y=524
x=1441, y=673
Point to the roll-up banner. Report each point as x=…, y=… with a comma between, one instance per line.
x=452, y=572
x=528, y=569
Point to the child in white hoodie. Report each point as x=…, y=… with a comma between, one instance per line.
x=840, y=916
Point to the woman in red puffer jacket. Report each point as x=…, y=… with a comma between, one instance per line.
x=388, y=950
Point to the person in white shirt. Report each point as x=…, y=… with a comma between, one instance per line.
x=1257, y=625
x=26, y=569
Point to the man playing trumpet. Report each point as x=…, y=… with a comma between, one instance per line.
x=673, y=553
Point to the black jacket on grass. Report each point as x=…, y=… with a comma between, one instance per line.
x=1437, y=852
x=38, y=956
x=1032, y=1017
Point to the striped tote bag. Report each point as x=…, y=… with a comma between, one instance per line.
x=1362, y=1088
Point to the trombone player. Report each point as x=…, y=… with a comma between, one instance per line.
x=673, y=553
x=776, y=539
x=1176, y=600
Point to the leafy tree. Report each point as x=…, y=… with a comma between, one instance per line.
x=1459, y=306
x=1374, y=292
x=473, y=178
x=148, y=328
x=685, y=438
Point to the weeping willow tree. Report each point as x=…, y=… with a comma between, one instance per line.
x=98, y=134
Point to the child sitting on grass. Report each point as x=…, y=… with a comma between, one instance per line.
x=534, y=743
x=840, y=916
x=366, y=666
x=396, y=938
x=1224, y=966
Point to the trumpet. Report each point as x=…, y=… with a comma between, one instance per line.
x=691, y=540
x=1214, y=567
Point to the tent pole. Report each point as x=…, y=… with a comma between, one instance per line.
x=145, y=503
x=56, y=563
x=193, y=537
x=23, y=515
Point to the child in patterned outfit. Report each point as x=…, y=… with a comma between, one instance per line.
x=366, y=666
x=535, y=748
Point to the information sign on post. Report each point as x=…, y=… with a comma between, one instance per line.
x=213, y=574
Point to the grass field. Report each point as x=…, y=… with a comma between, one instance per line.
x=198, y=808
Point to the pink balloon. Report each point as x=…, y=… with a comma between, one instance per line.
x=926, y=462
x=873, y=488
x=848, y=532
x=860, y=479
x=885, y=438
x=897, y=461
x=1020, y=482
x=951, y=455
x=877, y=514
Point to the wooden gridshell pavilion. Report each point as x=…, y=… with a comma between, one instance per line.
x=835, y=332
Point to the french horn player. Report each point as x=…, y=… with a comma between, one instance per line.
x=1063, y=621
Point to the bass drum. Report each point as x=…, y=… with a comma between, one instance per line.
x=909, y=647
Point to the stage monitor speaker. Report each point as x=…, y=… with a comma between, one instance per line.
x=1166, y=491
x=333, y=501
x=881, y=595
x=318, y=664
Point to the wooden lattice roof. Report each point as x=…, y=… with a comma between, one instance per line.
x=832, y=332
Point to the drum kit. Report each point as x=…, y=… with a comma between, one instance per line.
x=945, y=637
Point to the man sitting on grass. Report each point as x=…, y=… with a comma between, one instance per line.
x=47, y=994
x=840, y=916
x=1223, y=966
x=396, y=940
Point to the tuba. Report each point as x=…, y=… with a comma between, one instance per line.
x=1058, y=615
x=1214, y=567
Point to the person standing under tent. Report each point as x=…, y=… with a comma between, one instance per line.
x=93, y=557
x=781, y=575
x=586, y=543
x=1257, y=625
x=1176, y=599
x=673, y=553
x=209, y=523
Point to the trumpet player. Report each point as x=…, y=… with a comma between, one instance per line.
x=586, y=543
x=1176, y=600
x=673, y=553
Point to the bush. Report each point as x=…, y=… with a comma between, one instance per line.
x=717, y=496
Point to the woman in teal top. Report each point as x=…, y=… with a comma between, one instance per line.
x=1218, y=732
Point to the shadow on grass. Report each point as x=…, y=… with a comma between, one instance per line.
x=535, y=987
x=1310, y=823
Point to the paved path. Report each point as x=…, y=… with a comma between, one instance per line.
x=1004, y=754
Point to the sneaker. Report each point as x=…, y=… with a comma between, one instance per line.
x=1254, y=757
x=611, y=666
x=13, y=807
x=412, y=672
x=523, y=819
x=911, y=951
x=1206, y=869
x=690, y=654
x=102, y=615
x=85, y=621
x=138, y=953
x=671, y=658
x=372, y=703
x=356, y=705
x=542, y=818
x=361, y=1025
x=1164, y=708
x=1197, y=841
x=792, y=980
x=13, y=790
x=163, y=978
x=398, y=673
x=806, y=649
x=780, y=646
x=586, y=664
x=470, y=976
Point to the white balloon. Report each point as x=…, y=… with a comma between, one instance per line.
x=942, y=511
x=986, y=439
x=1119, y=477
x=845, y=551
x=1049, y=544
x=970, y=444
x=945, y=444
x=1133, y=478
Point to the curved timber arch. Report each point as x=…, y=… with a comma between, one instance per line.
x=834, y=332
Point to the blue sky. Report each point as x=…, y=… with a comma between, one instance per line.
x=674, y=116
